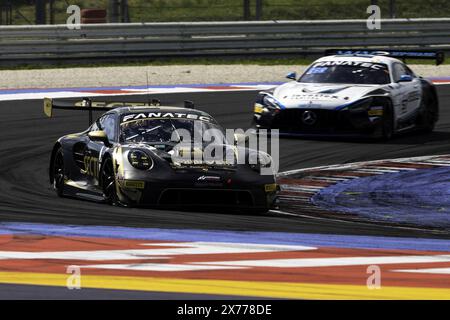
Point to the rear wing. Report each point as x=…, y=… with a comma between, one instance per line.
x=438, y=56
x=88, y=105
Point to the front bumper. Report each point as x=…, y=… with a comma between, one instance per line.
x=183, y=189
x=326, y=122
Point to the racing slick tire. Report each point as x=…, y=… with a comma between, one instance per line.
x=429, y=113
x=108, y=182
x=58, y=172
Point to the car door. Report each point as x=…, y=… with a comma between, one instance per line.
x=406, y=94
x=95, y=149
x=415, y=96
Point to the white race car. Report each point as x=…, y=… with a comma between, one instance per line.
x=352, y=93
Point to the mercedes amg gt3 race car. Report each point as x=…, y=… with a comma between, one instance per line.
x=126, y=157
x=356, y=93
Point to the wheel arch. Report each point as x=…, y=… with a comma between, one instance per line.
x=107, y=156
x=56, y=147
x=389, y=103
x=386, y=100
x=428, y=88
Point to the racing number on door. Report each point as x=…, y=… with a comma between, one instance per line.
x=91, y=166
x=408, y=91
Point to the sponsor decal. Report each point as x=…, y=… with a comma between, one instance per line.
x=164, y=115
x=317, y=96
x=134, y=184
x=361, y=64
x=103, y=104
x=91, y=165
x=375, y=111
x=270, y=187
x=209, y=178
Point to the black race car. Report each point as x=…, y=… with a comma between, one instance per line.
x=129, y=157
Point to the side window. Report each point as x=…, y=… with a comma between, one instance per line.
x=94, y=126
x=410, y=72
x=108, y=124
x=399, y=70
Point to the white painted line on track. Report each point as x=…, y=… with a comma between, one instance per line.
x=327, y=179
x=333, y=262
x=348, y=166
x=376, y=171
x=305, y=190
x=154, y=251
x=429, y=163
x=314, y=217
x=345, y=178
x=395, y=169
x=439, y=161
x=161, y=267
x=291, y=197
x=91, y=92
x=430, y=270
x=281, y=212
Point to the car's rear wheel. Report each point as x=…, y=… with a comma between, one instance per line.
x=108, y=182
x=429, y=114
x=58, y=172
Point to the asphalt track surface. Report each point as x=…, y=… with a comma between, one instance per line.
x=33, y=292
x=28, y=136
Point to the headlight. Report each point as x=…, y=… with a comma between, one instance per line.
x=263, y=160
x=258, y=108
x=266, y=103
x=270, y=102
x=140, y=160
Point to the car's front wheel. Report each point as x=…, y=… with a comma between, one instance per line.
x=108, y=182
x=387, y=126
x=58, y=172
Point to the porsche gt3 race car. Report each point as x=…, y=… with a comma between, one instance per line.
x=357, y=93
x=129, y=157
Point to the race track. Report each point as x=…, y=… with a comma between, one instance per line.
x=27, y=138
x=26, y=196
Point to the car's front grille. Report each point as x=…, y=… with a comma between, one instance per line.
x=206, y=197
x=320, y=120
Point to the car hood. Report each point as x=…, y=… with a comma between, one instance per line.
x=235, y=152
x=320, y=95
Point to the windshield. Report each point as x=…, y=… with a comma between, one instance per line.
x=169, y=131
x=352, y=72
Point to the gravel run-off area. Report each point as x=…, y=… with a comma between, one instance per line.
x=161, y=75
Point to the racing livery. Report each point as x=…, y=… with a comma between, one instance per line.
x=127, y=157
x=352, y=93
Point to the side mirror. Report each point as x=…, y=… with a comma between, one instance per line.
x=240, y=138
x=405, y=78
x=99, y=136
x=292, y=76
